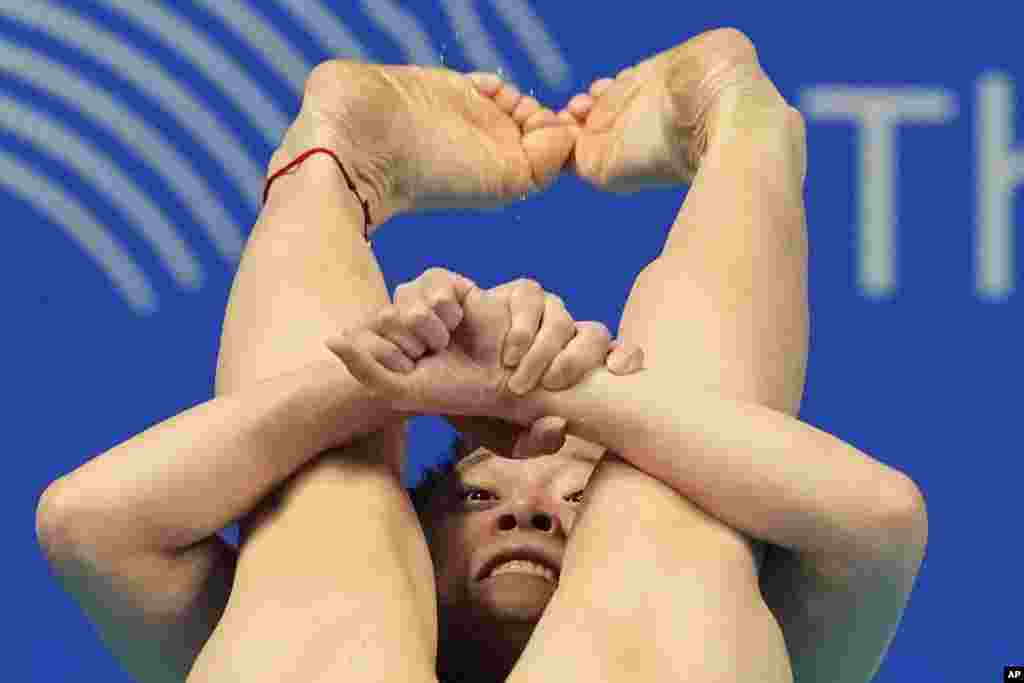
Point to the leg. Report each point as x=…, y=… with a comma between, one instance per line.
x=334, y=577
x=723, y=306
x=301, y=607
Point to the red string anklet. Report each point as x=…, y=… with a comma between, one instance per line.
x=352, y=186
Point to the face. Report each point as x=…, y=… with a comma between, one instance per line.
x=493, y=506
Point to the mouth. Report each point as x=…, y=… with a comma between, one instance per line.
x=526, y=562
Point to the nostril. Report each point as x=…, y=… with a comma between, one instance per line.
x=542, y=522
x=507, y=523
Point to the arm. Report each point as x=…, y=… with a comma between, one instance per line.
x=131, y=534
x=858, y=527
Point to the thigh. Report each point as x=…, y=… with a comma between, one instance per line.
x=347, y=596
x=653, y=589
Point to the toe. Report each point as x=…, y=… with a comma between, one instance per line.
x=626, y=74
x=581, y=105
x=566, y=116
x=507, y=98
x=527, y=107
x=486, y=83
x=540, y=119
x=598, y=87
x=548, y=149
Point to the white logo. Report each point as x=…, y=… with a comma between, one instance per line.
x=137, y=57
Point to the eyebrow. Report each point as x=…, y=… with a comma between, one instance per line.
x=482, y=454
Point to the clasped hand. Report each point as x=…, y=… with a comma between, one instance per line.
x=447, y=347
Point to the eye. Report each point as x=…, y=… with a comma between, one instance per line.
x=579, y=494
x=466, y=493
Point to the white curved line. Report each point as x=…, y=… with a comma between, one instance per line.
x=471, y=35
x=536, y=41
x=102, y=172
x=334, y=38
x=81, y=225
x=404, y=29
x=148, y=142
x=262, y=37
x=218, y=64
x=149, y=77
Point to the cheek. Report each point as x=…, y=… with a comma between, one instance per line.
x=452, y=552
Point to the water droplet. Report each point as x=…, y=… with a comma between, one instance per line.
x=531, y=92
x=523, y=197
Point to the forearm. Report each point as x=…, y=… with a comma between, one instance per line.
x=762, y=472
x=197, y=472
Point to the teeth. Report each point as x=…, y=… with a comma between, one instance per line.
x=524, y=567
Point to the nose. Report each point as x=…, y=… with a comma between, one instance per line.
x=528, y=518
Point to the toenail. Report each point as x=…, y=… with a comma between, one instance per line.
x=486, y=81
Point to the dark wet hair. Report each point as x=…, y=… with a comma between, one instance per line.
x=434, y=477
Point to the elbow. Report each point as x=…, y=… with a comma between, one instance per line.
x=54, y=520
x=905, y=517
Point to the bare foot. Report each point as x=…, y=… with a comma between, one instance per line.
x=651, y=124
x=418, y=138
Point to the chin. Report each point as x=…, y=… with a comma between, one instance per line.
x=511, y=598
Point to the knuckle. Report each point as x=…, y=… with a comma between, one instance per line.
x=387, y=315
x=393, y=358
x=548, y=343
x=565, y=327
x=568, y=366
x=597, y=330
x=528, y=284
x=418, y=313
x=519, y=336
x=556, y=300
x=436, y=271
x=440, y=297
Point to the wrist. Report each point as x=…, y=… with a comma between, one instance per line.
x=526, y=409
x=341, y=408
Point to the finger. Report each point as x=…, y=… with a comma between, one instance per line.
x=526, y=304
x=545, y=437
x=527, y=107
x=487, y=83
x=566, y=116
x=624, y=359
x=581, y=105
x=587, y=350
x=363, y=354
x=444, y=291
x=441, y=290
x=388, y=324
x=542, y=118
x=426, y=325
x=600, y=86
x=507, y=98
x=444, y=302
x=557, y=329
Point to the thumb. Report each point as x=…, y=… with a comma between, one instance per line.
x=624, y=359
x=545, y=436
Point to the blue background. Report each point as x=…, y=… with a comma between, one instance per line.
x=925, y=380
